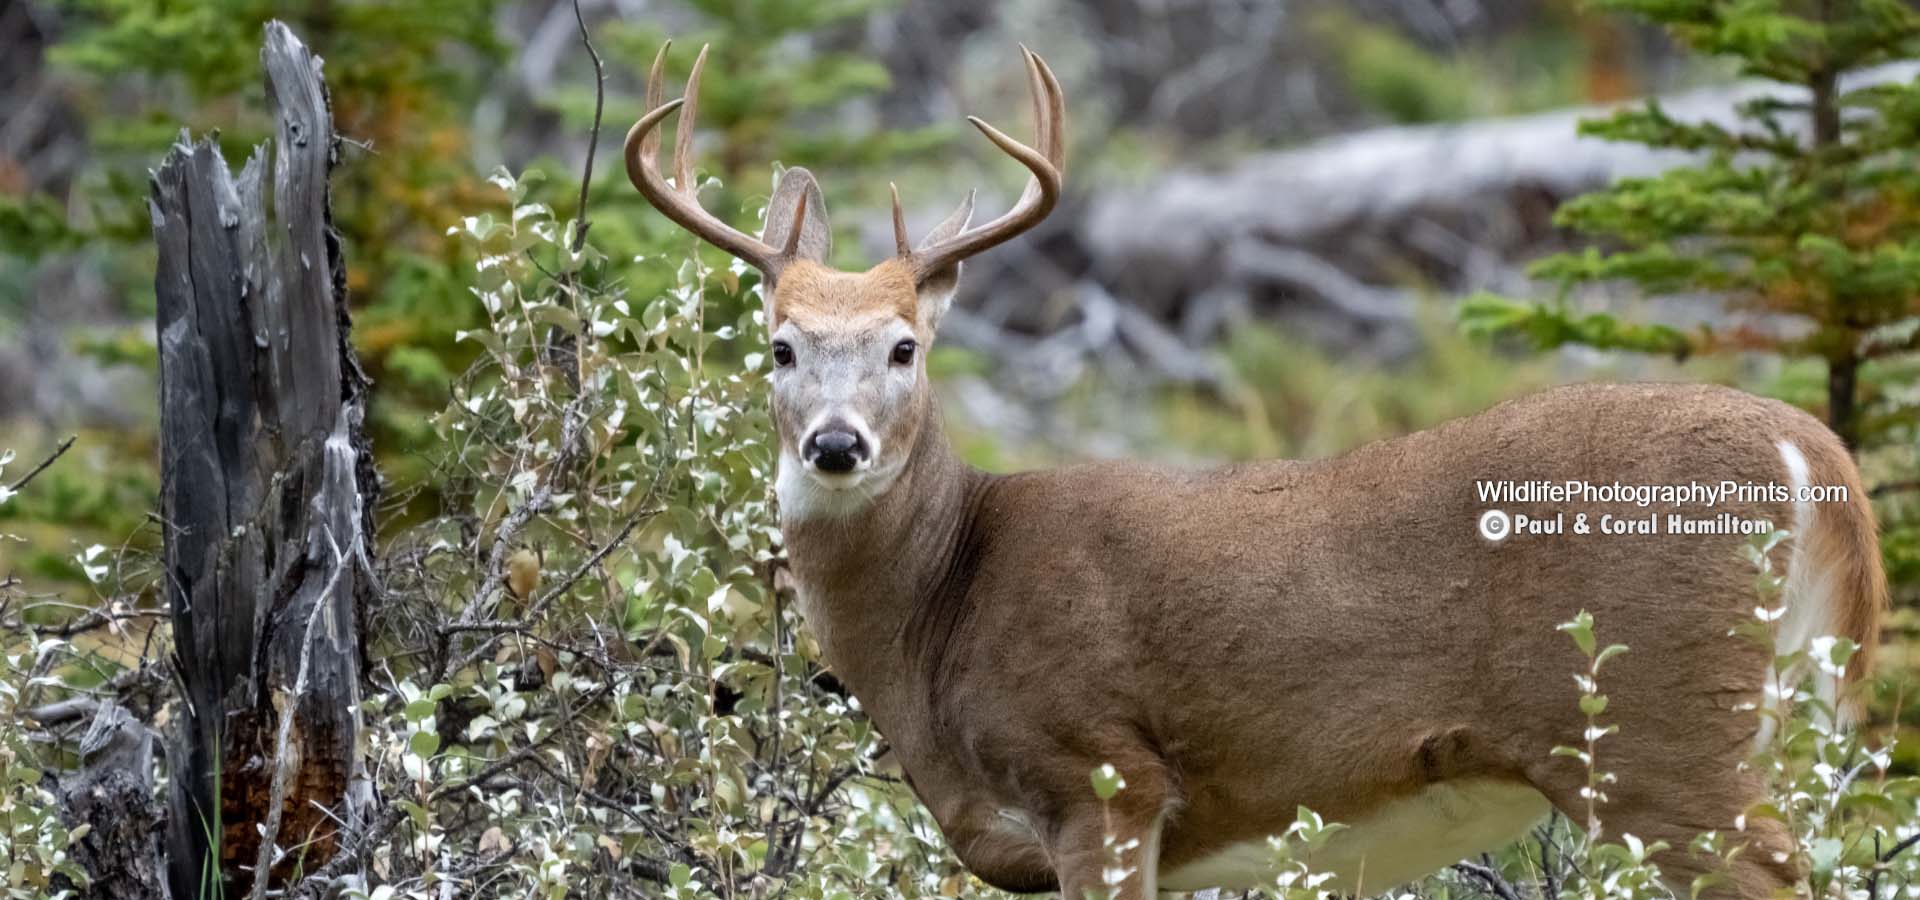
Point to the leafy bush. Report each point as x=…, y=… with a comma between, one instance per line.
x=33, y=840
x=588, y=679
x=596, y=684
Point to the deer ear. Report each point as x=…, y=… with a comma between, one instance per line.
x=816, y=236
x=937, y=287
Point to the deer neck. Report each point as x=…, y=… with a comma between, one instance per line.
x=861, y=576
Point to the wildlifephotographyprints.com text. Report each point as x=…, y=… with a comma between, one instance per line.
x=1684, y=509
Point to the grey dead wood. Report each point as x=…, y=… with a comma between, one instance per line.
x=111, y=794
x=265, y=471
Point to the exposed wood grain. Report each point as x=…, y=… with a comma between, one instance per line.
x=265, y=471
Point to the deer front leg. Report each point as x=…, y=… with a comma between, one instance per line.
x=1109, y=852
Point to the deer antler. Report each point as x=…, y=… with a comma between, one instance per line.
x=1048, y=165
x=680, y=200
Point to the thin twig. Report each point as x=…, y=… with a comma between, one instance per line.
x=520, y=755
x=650, y=869
x=61, y=711
x=93, y=619
x=593, y=142
x=353, y=852
x=1486, y=874
x=1880, y=865
x=57, y=453
x=532, y=613
x=1549, y=873
x=572, y=422
x=1894, y=487
x=579, y=572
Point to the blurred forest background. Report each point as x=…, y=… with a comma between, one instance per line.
x=1256, y=256
x=1290, y=227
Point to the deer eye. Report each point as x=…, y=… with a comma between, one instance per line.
x=903, y=352
x=782, y=354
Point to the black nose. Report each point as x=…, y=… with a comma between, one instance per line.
x=836, y=450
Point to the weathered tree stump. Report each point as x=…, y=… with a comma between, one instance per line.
x=267, y=489
x=112, y=794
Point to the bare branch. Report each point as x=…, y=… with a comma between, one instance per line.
x=1884, y=860
x=1889, y=488
x=1487, y=875
x=58, y=452
x=593, y=141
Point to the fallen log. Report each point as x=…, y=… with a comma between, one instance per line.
x=1332, y=237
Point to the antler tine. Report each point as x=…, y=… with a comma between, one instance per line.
x=1055, y=143
x=900, y=242
x=1048, y=110
x=792, y=250
x=683, y=136
x=1042, y=191
x=656, y=95
x=680, y=201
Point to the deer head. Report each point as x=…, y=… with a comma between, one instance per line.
x=850, y=390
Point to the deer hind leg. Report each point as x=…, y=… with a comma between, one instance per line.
x=1112, y=847
x=1679, y=813
x=1673, y=798
x=1113, y=850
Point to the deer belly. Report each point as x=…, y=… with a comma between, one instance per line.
x=1400, y=841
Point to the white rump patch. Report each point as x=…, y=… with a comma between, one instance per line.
x=1396, y=843
x=1808, y=592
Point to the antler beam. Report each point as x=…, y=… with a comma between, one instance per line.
x=680, y=200
x=1048, y=165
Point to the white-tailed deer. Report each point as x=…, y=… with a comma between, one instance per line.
x=1334, y=634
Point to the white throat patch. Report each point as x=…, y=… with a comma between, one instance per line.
x=804, y=497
